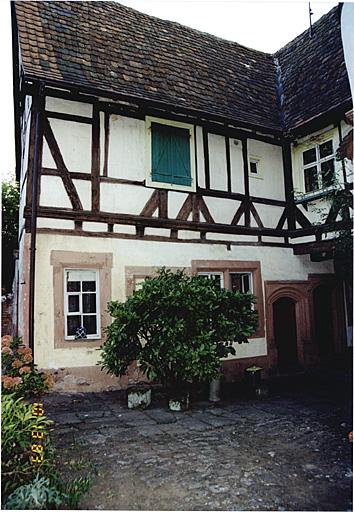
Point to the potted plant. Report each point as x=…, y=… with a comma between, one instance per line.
x=178, y=328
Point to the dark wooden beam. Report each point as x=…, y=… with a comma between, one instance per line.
x=163, y=204
x=121, y=218
x=313, y=247
x=106, y=143
x=206, y=158
x=228, y=163
x=144, y=103
x=95, y=160
x=301, y=218
x=239, y=197
x=68, y=117
x=288, y=184
x=156, y=238
x=322, y=228
x=61, y=167
x=256, y=216
x=240, y=211
x=47, y=171
x=151, y=205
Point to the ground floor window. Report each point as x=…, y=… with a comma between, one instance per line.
x=235, y=281
x=81, y=304
x=235, y=275
x=81, y=290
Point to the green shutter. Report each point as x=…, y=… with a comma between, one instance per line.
x=170, y=160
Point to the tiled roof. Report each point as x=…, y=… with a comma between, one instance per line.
x=114, y=48
x=312, y=72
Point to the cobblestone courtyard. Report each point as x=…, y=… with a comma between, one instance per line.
x=289, y=451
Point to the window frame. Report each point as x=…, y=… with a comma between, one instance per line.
x=257, y=160
x=211, y=273
x=317, y=163
x=103, y=263
x=97, y=335
x=159, y=184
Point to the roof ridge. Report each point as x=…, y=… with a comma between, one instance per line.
x=302, y=34
x=192, y=29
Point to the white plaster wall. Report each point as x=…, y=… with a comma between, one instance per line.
x=53, y=192
x=270, y=215
x=217, y=162
x=117, y=198
x=271, y=185
x=175, y=202
x=43, y=222
x=222, y=210
x=83, y=189
x=236, y=160
x=200, y=157
x=25, y=137
x=47, y=159
x=126, y=153
x=74, y=141
x=276, y=264
x=68, y=107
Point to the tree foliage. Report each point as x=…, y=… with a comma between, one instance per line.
x=10, y=207
x=177, y=327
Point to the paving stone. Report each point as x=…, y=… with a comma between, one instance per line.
x=241, y=455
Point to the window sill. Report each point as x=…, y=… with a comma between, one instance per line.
x=309, y=196
x=170, y=186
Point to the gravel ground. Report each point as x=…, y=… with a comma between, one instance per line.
x=289, y=451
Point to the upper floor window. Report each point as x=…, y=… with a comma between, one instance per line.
x=318, y=165
x=255, y=170
x=170, y=154
x=81, y=304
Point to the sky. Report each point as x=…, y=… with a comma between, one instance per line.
x=263, y=25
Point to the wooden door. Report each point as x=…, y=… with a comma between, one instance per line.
x=284, y=315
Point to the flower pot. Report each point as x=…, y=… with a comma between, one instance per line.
x=180, y=403
x=138, y=396
x=214, y=390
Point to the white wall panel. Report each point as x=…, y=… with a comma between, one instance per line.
x=271, y=185
x=222, y=210
x=53, y=192
x=200, y=157
x=68, y=107
x=175, y=202
x=237, y=174
x=124, y=198
x=74, y=141
x=84, y=190
x=217, y=162
x=126, y=154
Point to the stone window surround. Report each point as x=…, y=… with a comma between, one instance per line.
x=60, y=260
x=225, y=266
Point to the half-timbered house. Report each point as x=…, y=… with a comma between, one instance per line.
x=142, y=143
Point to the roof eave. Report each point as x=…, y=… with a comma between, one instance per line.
x=144, y=101
x=321, y=120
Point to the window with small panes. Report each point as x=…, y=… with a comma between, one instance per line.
x=81, y=304
x=319, y=166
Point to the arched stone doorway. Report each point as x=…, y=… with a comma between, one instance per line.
x=323, y=321
x=288, y=325
x=285, y=333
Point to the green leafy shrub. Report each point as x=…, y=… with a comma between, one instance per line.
x=39, y=494
x=17, y=425
x=19, y=374
x=177, y=327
